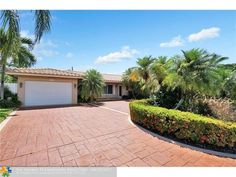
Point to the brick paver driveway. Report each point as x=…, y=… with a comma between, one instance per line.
x=90, y=136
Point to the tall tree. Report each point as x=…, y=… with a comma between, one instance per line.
x=10, y=19
x=195, y=73
x=143, y=68
x=161, y=68
x=18, y=54
x=130, y=80
x=143, y=74
x=92, y=85
x=11, y=42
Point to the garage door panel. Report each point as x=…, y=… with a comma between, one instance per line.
x=39, y=93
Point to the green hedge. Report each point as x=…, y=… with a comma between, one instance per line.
x=183, y=125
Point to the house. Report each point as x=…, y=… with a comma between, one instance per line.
x=39, y=87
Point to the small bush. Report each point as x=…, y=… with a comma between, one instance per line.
x=184, y=125
x=10, y=100
x=9, y=94
x=221, y=108
x=125, y=97
x=9, y=103
x=168, y=98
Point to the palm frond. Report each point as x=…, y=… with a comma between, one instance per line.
x=27, y=41
x=42, y=23
x=10, y=20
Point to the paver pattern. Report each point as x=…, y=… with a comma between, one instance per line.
x=90, y=136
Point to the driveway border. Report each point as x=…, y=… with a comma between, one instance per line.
x=207, y=151
x=8, y=118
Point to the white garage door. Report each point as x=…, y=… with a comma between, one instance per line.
x=38, y=93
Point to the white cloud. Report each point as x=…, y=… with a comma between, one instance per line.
x=69, y=55
x=204, y=34
x=174, y=42
x=125, y=53
x=45, y=53
x=26, y=33
x=46, y=48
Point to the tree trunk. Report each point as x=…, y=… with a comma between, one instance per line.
x=2, y=82
x=179, y=103
x=133, y=94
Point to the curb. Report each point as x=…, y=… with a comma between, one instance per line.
x=207, y=151
x=8, y=118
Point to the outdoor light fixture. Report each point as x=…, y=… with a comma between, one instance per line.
x=21, y=84
x=74, y=85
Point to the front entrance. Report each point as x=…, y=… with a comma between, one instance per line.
x=120, y=90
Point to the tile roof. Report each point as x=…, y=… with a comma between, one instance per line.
x=42, y=72
x=106, y=77
x=112, y=77
x=46, y=72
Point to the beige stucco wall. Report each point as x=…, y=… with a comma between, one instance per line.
x=115, y=92
x=22, y=79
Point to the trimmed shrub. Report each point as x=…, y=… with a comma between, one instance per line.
x=184, y=125
x=10, y=100
x=9, y=103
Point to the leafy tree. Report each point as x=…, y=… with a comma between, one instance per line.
x=143, y=68
x=195, y=73
x=131, y=82
x=229, y=85
x=161, y=68
x=143, y=74
x=92, y=85
x=18, y=55
x=12, y=45
x=10, y=19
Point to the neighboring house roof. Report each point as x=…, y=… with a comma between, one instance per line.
x=112, y=78
x=49, y=72
x=107, y=77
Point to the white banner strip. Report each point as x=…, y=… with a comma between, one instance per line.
x=176, y=172
x=117, y=4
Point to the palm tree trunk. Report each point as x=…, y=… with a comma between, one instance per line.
x=2, y=82
x=133, y=94
x=179, y=103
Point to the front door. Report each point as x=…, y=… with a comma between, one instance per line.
x=120, y=90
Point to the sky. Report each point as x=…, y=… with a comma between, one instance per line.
x=111, y=41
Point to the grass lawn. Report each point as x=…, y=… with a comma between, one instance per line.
x=4, y=113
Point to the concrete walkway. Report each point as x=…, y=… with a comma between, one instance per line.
x=90, y=136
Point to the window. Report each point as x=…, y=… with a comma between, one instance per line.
x=105, y=89
x=108, y=89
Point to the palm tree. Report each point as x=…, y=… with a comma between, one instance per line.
x=18, y=54
x=143, y=74
x=92, y=85
x=228, y=83
x=130, y=80
x=11, y=19
x=143, y=68
x=161, y=68
x=11, y=42
x=195, y=73
x=127, y=81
